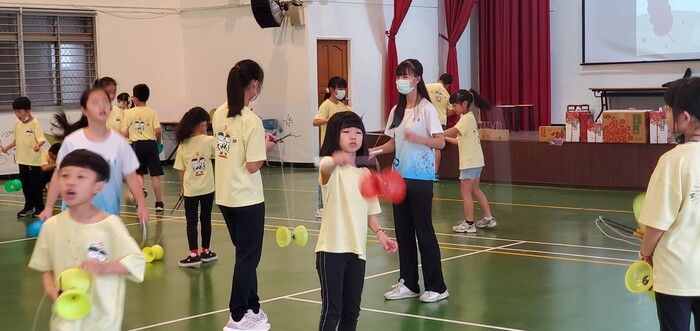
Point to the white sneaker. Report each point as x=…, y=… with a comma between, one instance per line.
x=246, y=323
x=430, y=296
x=486, y=223
x=260, y=316
x=464, y=227
x=319, y=212
x=400, y=291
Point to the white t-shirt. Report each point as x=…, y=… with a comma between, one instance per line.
x=415, y=161
x=120, y=156
x=672, y=204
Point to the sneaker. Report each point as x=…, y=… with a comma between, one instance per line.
x=190, y=262
x=400, y=291
x=486, y=223
x=260, y=316
x=248, y=322
x=208, y=256
x=437, y=178
x=160, y=206
x=430, y=296
x=26, y=212
x=319, y=212
x=36, y=212
x=464, y=227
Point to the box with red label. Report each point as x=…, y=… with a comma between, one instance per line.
x=577, y=123
x=658, y=130
x=595, y=132
x=626, y=126
x=549, y=133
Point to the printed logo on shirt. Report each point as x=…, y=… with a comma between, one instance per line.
x=694, y=195
x=438, y=96
x=29, y=132
x=199, y=165
x=97, y=251
x=139, y=126
x=223, y=143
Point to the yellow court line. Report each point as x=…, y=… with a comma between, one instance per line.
x=467, y=249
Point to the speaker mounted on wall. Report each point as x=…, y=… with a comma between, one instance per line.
x=270, y=13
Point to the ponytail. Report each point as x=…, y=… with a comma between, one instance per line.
x=238, y=78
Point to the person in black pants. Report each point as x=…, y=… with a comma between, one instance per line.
x=415, y=131
x=28, y=139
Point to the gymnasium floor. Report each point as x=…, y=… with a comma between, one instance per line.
x=545, y=267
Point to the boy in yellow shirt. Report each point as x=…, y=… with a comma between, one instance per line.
x=142, y=127
x=48, y=163
x=28, y=139
x=440, y=97
x=87, y=237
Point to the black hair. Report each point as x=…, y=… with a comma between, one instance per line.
x=142, y=92
x=55, y=148
x=684, y=95
x=104, y=82
x=60, y=120
x=336, y=124
x=189, y=121
x=238, y=78
x=446, y=78
x=335, y=82
x=125, y=97
x=416, y=68
x=22, y=103
x=82, y=158
x=470, y=96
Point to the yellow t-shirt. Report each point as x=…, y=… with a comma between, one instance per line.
x=238, y=140
x=46, y=159
x=672, y=204
x=114, y=120
x=345, y=211
x=194, y=157
x=142, y=123
x=64, y=243
x=326, y=110
x=27, y=135
x=440, y=98
x=470, y=153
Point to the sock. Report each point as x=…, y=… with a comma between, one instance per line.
x=205, y=250
x=469, y=222
x=193, y=252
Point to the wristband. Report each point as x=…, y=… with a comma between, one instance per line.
x=642, y=256
x=380, y=230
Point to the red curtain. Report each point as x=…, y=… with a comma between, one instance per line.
x=392, y=97
x=514, y=55
x=457, y=13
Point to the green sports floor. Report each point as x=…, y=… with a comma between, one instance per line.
x=545, y=267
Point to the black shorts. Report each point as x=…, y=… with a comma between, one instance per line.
x=149, y=160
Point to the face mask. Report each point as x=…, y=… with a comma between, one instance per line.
x=404, y=86
x=340, y=95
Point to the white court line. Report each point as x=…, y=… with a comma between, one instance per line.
x=306, y=291
x=16, y=240
x=486, y=326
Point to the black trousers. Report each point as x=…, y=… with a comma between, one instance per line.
x=245, y=226
x=342, y=277
x=674, y=312
x=413, y=218
x=46, y=177
x=192, y=205
x=30, y=176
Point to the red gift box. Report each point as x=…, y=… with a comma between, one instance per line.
x=626, y=126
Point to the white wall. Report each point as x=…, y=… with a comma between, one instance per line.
x=571, y=81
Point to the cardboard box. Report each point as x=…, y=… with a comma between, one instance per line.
x=658, y=130
x=595, y=132
x=491, y=131
x=549, y=133
x=577, y=123
x=626, y=126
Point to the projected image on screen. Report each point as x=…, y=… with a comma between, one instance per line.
x=619, y=31
x=667, y=28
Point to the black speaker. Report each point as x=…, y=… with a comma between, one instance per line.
x=268, y=13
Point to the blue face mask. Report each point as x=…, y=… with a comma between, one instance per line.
x=340, y=95
x=404, y=86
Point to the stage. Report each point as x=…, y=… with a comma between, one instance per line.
x=525, y=160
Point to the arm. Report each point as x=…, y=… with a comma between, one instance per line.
x=388, y=147
x=254, y=166
x=51, y=196
x=37, y=147
x=651, y=239
x=182, y=182
x=452, y=141
x=373, y=224
x=158, y=135
x=136, y=189
x=10, y=146
x=47, y=167
x=319, y=121
x=436, y=141
x=49, y=288
x=99, y=268
x=451, y=132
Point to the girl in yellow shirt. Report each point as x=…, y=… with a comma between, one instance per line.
x=471, y=161
x=342, y=240
x=193, y=160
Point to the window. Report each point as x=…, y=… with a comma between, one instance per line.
x=48, y=57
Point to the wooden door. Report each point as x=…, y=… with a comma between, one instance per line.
x=331, y=60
